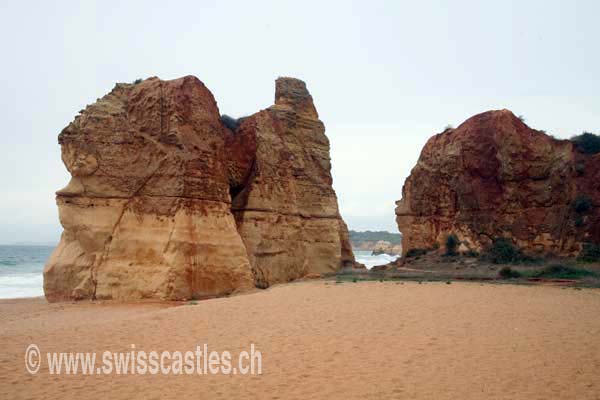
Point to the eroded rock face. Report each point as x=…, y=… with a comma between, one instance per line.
x=385, y=247
x=493, y=176
x=148, y=210
x=287, y=213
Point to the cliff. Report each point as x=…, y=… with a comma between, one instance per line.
x=493, y=176
x=383, y=247
x=167, y=202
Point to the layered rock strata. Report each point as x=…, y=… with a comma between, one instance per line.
x=167, y=202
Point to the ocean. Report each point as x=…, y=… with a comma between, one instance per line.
x=365, y=257
x=21, y=268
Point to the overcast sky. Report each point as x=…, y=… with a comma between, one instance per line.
x=385, y=76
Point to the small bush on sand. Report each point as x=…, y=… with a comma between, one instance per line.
x=138, y=80
x=560, y=271
x=509, y=273
x=589, y=253
x=503, y=251
x=416, y=252
x=452, y=243
x=587, y=143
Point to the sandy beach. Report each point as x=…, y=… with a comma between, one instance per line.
x=325, y=340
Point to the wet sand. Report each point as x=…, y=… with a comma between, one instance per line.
x=322, y=340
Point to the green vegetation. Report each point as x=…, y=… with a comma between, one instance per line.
x=509, y=273
x=138, y=80
x=587, y=143
x=452, y=243
x=375, y=236
x=230, y=122
x=589, y=253
x=560, y=271
x=582, y=204
x=521, y=118
x=554, y=271
x=503, y=251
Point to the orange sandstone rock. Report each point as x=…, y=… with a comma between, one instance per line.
x=166, y=202
x=493, y=176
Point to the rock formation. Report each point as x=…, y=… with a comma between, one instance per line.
x=493, y=176
x=167, y=202
x=286, y=211
x=384, y=247
x=377, y=242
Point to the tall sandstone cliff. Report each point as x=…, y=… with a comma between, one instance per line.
x=493, y=176
x=167, y=202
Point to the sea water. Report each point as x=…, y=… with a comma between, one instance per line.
x=21, y=270
x=365, y=257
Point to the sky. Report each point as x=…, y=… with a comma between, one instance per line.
x=385, y=76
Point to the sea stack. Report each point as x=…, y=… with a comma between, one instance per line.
x=493, y=177
x=167, y=202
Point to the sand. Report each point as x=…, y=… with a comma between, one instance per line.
x=322, y=340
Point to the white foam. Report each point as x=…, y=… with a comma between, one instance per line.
x=365, y=257
x=21, y=285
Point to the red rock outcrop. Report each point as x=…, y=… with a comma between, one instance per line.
x=166, y=202
x=493, y=176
